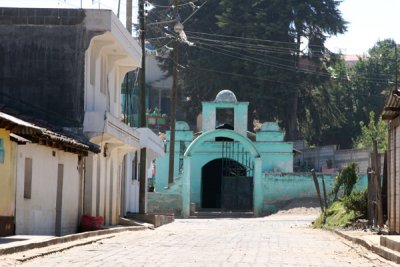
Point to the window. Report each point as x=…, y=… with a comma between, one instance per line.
x=28, y=178
x=1, y=150
x=134, y=167
x=224, y=116
x=182, y=149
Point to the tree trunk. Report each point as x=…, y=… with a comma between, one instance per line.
x=292, y=131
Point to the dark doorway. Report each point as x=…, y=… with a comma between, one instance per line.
x=211, y=185
x=226, y=186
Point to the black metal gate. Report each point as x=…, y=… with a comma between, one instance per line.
x=237, y=177
x=227, y=182
x=237, y=193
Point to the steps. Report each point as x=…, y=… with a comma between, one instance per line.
x=389, y=248
x=155, y=219
x=211, y=214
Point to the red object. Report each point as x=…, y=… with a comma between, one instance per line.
x=91, y=223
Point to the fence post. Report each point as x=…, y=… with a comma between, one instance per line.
x=371, y=198
x=324, y=188
x=317, y=189
x=377, y=184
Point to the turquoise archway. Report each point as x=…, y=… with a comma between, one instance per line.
x=210, y=135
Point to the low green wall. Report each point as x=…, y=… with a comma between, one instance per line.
x=281, y=188
x=278, y=189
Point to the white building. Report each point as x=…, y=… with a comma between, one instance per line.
x=110, y=185
x=42, y=179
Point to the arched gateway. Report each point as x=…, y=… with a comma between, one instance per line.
x=222, y=167
x=226, y=185
x=221, y=173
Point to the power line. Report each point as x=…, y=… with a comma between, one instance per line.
x=45, y=111
x=279, y=65
x=190, y=3
x=243, y=38
x=262, y=79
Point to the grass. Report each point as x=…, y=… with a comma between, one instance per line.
x=336, y=216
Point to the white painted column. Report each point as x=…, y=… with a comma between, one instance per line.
x=258, y=191
x=186, y=187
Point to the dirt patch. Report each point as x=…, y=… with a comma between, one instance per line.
x=301, y=206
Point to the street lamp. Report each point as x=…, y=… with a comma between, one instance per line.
x=178, y=28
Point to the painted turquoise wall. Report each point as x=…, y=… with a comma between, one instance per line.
x=278, y=189
x=182, y=134
x=240, y=110
x=271, y=192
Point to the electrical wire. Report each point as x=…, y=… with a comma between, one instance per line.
x=242, y=38
x=280, y=66
x=270, y=48
x=190, y=3
x=262, y=79
x=284, y=66
x=291, y=61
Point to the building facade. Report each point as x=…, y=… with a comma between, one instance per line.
x=41, y=179
x=391, y=115
x=65, y=67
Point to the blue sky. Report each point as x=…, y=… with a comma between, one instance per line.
x=369, y=20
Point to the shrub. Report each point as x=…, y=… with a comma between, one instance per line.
x=346, y=178
x=358, y=202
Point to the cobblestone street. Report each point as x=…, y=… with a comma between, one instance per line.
x=277, y=240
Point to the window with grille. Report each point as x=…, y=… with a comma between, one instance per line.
x=1, y=151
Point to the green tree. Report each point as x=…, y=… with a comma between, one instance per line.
x=374, y=130
x=373, y=76
x=358, y=90
x=253, y=48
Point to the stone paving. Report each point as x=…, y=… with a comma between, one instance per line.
x=277, y=240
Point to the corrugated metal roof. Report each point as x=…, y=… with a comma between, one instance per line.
x=34, y=133
x=392, y=106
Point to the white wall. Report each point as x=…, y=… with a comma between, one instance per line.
x=37, y=216
x=132, y=185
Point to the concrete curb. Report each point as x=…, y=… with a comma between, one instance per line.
x=69, y=238
x=381, y=251
x=356, y=240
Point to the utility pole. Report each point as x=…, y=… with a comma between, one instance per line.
x=143, y=156
x=173, y=101
x=396, y=66
x=119, y=7
x=129, y=16
x=172, y=117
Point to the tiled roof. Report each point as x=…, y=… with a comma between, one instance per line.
x=392, y=106
x=44, y=136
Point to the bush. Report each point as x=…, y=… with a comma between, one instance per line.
x=358, y=202
x=335, y=216
x=346, y=178
x=344, y=211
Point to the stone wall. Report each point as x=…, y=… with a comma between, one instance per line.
x=318, y=157
x=163, y=203
x=42, y=58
